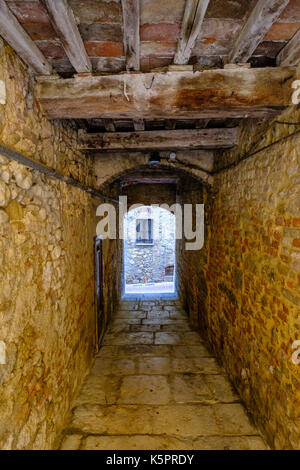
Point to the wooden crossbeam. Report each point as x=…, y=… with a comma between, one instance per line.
x=177, y=139
x=290, y=54
x=142, y=179
x=131, y=27
x=191, y=25
x=20, y=41
x=172, y=95
x=258, y=24
x=64, y=23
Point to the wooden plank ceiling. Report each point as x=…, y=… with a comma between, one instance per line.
x=100, y=37
x=100, y=24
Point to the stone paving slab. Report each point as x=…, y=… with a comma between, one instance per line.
x=162, y=321
x=186, y=420
x=113, y=366
x=186, y=351
x=131, y=314
x=158, y=314
x=154, y=385
x=117, y=328
x=145, y=389
x=179, y=327
x=221, y=388
x=100, y=390
x=190, y=388
x=129, y=350
x=141, y=328
x=128, y=305
x=154, y=365
x=128, y=338
x=134, y=443
x=112, y=419
x=233, y=419
x=146, y=442
x=195, y=365
x=229, y=443
x=127, y=321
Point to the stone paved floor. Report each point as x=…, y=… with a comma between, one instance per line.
x=154, y=386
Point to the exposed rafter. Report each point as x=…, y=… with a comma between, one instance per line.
x=258, y=24
x=170, y=124
x=192, y=21
x=64, y=23
x=192, y=139
x=20, y=41
x=139, y=124
x=202, y=124
x=290, y=54
x=208, y=94
x=131, y=27
x=109, y=125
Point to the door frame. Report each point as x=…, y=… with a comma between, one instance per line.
x=100, y=283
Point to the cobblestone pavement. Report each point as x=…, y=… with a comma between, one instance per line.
x=154, y=386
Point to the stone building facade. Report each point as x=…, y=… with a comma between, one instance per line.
x=153, y=260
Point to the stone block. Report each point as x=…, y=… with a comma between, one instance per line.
x=145, y=389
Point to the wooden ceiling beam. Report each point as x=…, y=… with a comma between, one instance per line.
x=20, y=41
x=64, y=23
x=258, y=24
x=290, y=54
x=131, y=28
x=193, y=17
x=218, y=94
x=177, y=139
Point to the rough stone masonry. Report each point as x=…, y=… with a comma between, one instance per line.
x=243, y=289
x=47, y=311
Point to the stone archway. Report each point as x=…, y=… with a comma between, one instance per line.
x=111, y=167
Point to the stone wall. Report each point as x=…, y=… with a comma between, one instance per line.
x=47, y=295
x=244, y=293
x=113, y=263
x=192, y=265
x=147, y=263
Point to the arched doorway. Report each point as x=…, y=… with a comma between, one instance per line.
x=149, y=251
